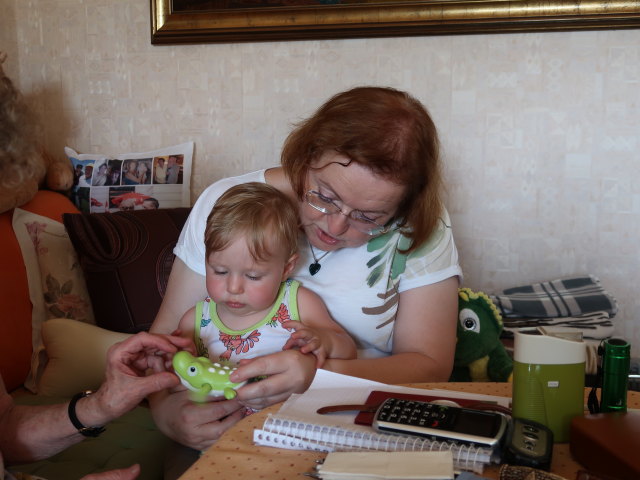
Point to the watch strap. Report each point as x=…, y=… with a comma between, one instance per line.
x=86, y=431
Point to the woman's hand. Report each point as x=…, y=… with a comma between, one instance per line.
x=287, y=372
x=196, y=425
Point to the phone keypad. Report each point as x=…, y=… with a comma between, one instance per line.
x=440, y=422
x=420, y=414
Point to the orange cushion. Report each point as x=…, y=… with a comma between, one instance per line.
x=15, y=323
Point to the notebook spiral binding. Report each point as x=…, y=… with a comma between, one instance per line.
x=295, y=435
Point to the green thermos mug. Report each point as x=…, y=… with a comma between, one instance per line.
x=548, y=379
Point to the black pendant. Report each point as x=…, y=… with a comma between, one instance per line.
x=314, y=268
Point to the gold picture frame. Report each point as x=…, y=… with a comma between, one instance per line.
x=373, y=18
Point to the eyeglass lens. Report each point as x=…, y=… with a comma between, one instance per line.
x=355, y=218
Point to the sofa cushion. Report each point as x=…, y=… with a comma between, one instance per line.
x=126, y=258
x=56, y=284
x=15, y=329
x=66, y=341
x=132, y=438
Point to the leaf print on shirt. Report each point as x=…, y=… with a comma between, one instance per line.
x=205, y=308
x=388, y=248
x=385, y=245
x=236, y=344
x=201, y=348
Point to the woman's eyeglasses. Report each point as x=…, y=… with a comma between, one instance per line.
x=355, y=218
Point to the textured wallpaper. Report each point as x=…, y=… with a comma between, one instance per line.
x=540, y=131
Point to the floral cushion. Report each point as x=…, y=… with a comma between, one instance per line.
x=57, y=288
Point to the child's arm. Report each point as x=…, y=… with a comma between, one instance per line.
x=186, y=327
x=317, y=332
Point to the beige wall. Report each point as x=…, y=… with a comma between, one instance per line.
x=8, y=42
x=540, y=131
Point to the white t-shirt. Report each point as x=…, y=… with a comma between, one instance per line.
x=360, y=286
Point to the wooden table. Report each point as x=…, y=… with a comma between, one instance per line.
x=235, y=456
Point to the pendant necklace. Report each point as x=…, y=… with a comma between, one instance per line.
x=315, y=266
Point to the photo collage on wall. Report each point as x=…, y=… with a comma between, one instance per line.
x=132, y=181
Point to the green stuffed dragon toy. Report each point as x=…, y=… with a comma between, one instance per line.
x=480, y=355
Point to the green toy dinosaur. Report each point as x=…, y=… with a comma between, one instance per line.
x=204, y=378
x=480, y=355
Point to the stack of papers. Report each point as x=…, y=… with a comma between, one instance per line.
x=386, y=465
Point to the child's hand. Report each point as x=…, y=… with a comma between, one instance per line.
x=286, y=372
x=307, y=340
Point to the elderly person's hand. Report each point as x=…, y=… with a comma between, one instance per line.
x=126, y=380
x=136, y=367
x=129, y=473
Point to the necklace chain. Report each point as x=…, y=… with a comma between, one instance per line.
x=317, y=259
x=315, y=266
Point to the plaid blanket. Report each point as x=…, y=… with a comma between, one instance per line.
x=595, y=325
x=567, y=297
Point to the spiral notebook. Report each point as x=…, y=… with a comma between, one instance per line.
x=297, y=426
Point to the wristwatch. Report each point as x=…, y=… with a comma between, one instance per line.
x=86, y=431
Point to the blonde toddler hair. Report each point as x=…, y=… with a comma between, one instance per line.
x=265, y=215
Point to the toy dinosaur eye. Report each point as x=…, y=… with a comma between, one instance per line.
x=192, y=371
x=469, y=320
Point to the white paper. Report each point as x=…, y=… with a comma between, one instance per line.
x=387, y=466
x=329, y=388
